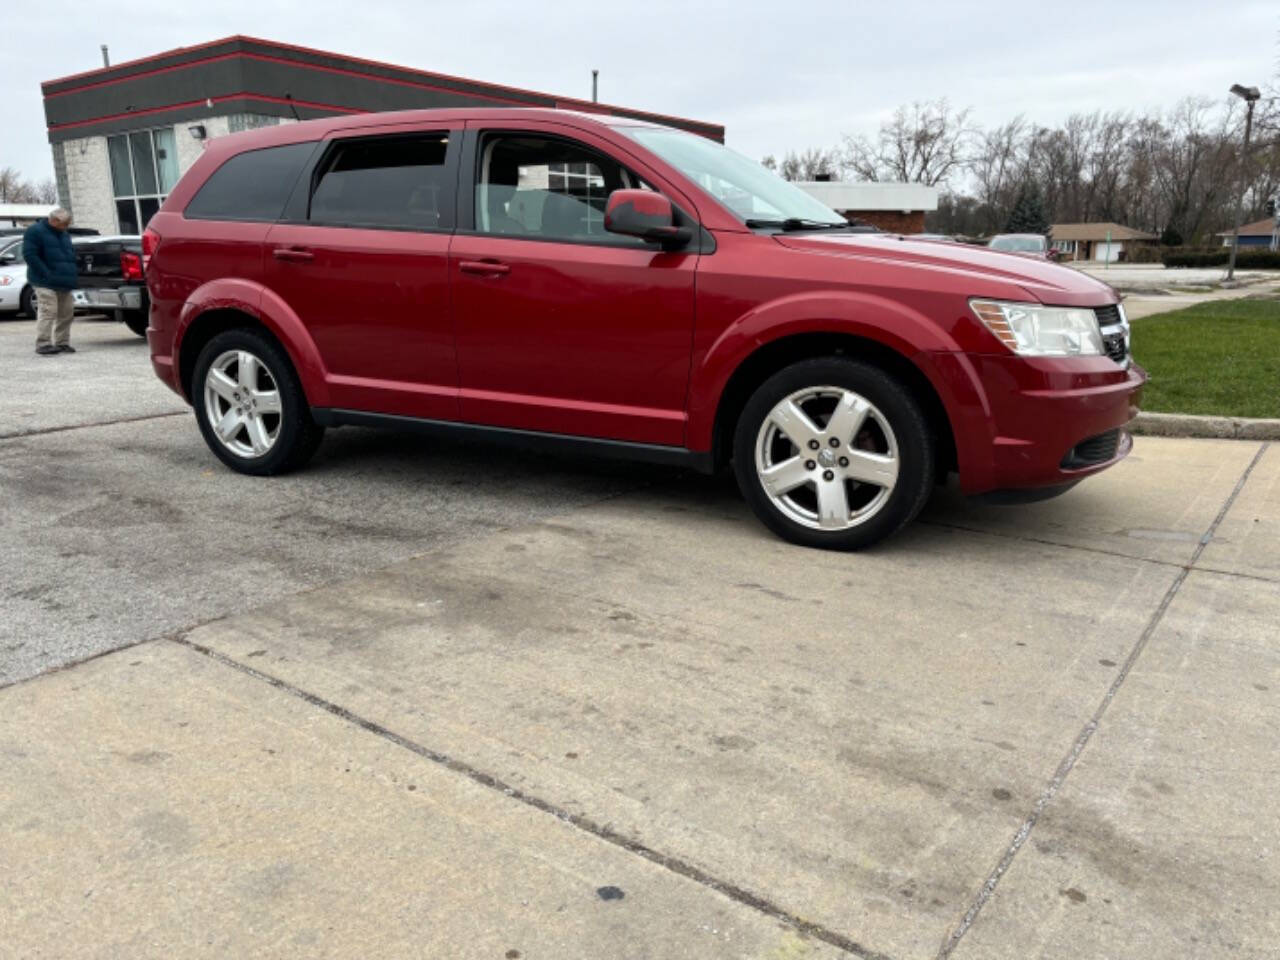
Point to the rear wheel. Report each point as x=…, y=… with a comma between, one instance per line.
x=250, y=405
x=136, y=321
x=834, y=453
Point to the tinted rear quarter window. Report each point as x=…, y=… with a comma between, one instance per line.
x=398, y=182
x=251, y=186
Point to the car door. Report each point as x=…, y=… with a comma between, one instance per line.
x=560, y=326
x=362, y=258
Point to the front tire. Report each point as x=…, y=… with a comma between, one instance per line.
x=834, y=453
x=250, y=405
x=27, y=302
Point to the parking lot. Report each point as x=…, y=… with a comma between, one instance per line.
x=439, y=699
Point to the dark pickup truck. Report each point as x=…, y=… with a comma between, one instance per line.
x=111, y=279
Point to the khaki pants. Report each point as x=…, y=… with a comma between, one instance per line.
x=54, y=310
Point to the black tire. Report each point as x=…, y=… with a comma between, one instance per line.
x=27, y=302
x=136, y=321
x=903, y=416
x=297, y=434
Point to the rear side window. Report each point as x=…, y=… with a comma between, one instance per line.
x=399, y=183
x=251, y=186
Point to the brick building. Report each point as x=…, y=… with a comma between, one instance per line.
x=895, y=207
x=123, y=135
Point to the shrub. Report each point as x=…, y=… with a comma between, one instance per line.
x=1246, y=259
x=1143, y=253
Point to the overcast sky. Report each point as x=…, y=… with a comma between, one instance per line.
x=778, y=75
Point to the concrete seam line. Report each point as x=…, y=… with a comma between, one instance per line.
x=71, y=664
x=600, y=831
x=1077, y=748
x=18, y=435
x=1041, y=541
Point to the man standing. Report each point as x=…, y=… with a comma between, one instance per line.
x=51, y=271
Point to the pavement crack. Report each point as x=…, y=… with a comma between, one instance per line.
x=19, y=434
x=1082, y=739
x=676, y=865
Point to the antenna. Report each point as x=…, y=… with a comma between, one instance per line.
x=106, y=60
x=595, y=76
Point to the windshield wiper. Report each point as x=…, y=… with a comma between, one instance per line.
x=791, y=224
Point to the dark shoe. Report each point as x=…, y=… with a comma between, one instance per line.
x=47, y=350
x=66, y=348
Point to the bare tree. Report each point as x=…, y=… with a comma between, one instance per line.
x=46, y=191
x=14, y=189
x=810, y=165
x=926, y=142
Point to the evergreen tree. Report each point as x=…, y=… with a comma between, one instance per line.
x=1028, y=211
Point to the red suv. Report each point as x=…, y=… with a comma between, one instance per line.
x=614, y=287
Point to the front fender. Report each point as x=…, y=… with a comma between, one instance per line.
x=887, y=322
x=266, y=306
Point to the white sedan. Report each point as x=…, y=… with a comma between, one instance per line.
x=15, y=293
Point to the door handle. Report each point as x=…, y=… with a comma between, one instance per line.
x=292, y=254
x=484, y=268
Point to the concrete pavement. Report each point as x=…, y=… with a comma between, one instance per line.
x=586, y=711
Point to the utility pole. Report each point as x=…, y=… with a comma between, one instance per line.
x=1250, y=96
x=595, y=76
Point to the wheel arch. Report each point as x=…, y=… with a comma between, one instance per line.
x=231, y=303
x=770, y=357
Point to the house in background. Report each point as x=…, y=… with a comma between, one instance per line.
x=1096, y=241
x=895, y=207
x=1260, y=235
x=22, y=214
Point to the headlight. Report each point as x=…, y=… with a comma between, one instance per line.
x=1032, y=330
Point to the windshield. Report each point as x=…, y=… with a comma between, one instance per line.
x=742, y=185
x=1018, y=244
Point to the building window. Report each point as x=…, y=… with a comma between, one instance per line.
x=1065, y=246
x=144, y=168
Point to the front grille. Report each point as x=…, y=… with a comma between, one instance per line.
x=1091, y=452
x=1115, y=332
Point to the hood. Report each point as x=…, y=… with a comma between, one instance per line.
x=1047, y=282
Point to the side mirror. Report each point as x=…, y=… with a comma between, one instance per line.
x=647, y=215
x=9, y=258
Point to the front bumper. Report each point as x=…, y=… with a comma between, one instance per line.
x=109, y=298
x=1031, y=417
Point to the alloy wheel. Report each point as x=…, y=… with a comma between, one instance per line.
x=827, y=458
x=242, y=401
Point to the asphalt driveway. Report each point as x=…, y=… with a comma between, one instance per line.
x=443, y=700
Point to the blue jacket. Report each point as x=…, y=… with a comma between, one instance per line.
x=51, y=260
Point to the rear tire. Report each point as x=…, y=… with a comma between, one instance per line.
x=250, y=405
x=136, y=321
x=834, y=453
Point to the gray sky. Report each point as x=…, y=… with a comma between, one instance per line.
x=778, y=75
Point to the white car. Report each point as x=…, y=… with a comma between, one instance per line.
x=16, y=294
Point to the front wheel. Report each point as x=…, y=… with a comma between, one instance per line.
x=27, y=301
x=834, y=453
x=250, y=405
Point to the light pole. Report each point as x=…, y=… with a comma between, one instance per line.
x=1250, y=96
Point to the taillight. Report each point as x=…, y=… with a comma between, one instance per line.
x=131, y=265
x=150, y=243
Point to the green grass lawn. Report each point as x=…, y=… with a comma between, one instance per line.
x=1216, y=358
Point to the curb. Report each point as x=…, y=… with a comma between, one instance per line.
x=1191, y=425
